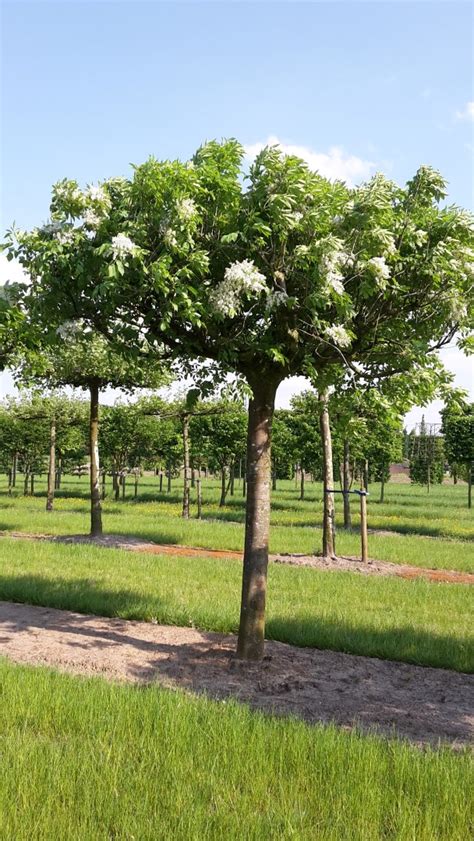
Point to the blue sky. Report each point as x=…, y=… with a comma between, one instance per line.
x=90, y=87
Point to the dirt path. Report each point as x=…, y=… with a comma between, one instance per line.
x=421, y=704
x=343, y=563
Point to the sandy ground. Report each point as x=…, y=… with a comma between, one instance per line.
x=342, y=563
x=424, y=705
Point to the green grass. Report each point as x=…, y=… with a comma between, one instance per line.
x=414, y=621
x=84, y=760
x=413, y=516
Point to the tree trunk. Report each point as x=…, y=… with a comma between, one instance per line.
x=193, y=474
x=96, y=506
x=25, y=484
x=10, y=474
x=186, y=491
x=232, y=479
x=51, y=466
x=103, y=485
x=32, y=484
x=124, y=481
x=116, y=483
x=346, y=485
x=328, y=477
x=168, y=489
x=382, y=483
x=366, y=475
x=301, y=482
x=244, y=484
x=223, y=487
x=469, y=485
x=14, y=466
x=161, y=481
x=199, y=499
x=135, y=490
x=257, y=521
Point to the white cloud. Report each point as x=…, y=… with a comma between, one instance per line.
x=334, y=164
x=467, y=112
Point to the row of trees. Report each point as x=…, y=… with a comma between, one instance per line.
x=266, y=274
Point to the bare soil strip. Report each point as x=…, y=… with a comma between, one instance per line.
x=424, y=705
x=343, y=563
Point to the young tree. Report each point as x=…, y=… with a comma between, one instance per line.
x=426, y=457
x=284, y=274
x=458, y=431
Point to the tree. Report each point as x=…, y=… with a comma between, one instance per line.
x=458, y=431
x=218, y=430
x=285, y=274
x=83, y=358
x=426, y=457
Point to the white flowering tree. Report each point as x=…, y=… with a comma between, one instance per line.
x=282, y=273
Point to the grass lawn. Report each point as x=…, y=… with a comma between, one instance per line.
x=414, y=621
x=410, y=519
x=83, y=760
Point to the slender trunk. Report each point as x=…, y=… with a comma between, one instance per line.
x=366, y=475
x=116, y=484
x=454, y=473
x=25, y=483
x=32, y=484
x=223, y=487
x=257, y=521
x=328, y=477
x=161, y=481
x=135, y=490
x=51, y=466
x=168, y=489
x=96, y=507
x=232, y=479
x=10, y=481
x=103, y=485
x=124, y=480
x=193, y=474
x=382, y=483
x=14, y=466
x=363, y=527
x=346, y=484
x=244, y=484
x=301, y=483
x=185, y=420
x=469, y=485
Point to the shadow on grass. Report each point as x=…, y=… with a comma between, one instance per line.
x=89, y=596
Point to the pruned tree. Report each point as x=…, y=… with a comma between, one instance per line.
x=285, y=273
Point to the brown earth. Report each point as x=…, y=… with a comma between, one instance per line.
x=343, y=563
x=424, y=705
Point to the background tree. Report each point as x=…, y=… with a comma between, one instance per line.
x=458, y=431
x=426, y=456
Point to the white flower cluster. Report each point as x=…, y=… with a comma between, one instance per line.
x=275, y=299
x=65, y=237
x=122, y=246
x=420, y=237
x=186, y=209
x=169, y=237
x=330, y=268
x=240, y=279
x=338, y=335
x=97, y=194
x=380, y=270
x=69, y=329
x=91, y=218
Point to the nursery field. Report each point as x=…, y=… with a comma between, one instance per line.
x=91, y=759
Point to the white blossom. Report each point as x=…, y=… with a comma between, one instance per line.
x=169, y=237
x=186, y=209
x=97, y=194
x=380, y=270
x=330, y=268
x=65, y=237
x=91, y=218
x=70, y=329
x=420, y=237
x=122, y=246
x=339, y=335
x=275, y=299
x=240, y=279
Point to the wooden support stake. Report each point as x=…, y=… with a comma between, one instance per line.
x=363, y=527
